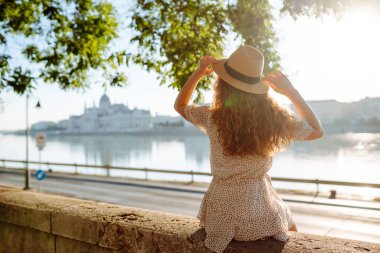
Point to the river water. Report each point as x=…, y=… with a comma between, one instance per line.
x=342, y=157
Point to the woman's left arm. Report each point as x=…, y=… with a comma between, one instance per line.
x=188, y=88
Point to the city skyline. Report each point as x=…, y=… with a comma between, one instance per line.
x=328, y=110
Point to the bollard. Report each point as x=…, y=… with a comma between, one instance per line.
x=317, y=193
x=146, y=173
x=192, y=176
x=48, y=167
x=108, y=169
x=332, y=194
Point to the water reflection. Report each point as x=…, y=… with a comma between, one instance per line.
x=351, y=156
x=197, y=148
x=107, y=149
x=331, y=144
x=126, y=149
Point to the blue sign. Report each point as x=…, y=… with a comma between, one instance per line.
x=40, y=174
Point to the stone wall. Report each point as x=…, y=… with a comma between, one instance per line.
x=35, y=222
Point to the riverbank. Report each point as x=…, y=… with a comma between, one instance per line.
x=190, y=130
x=159, y=131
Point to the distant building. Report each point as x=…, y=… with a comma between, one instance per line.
x=167, y=121
x=367, y=108
x=119, y=118
x=115, y=118
x=334, y=112
x=328, y=110
x=43, y=125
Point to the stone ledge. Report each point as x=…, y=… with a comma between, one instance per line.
x=88, y=226
x=16, y=239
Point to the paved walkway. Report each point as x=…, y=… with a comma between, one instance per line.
x=185, y=199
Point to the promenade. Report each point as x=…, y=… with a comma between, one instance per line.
x=351, y=223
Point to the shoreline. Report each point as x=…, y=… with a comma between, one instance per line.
x=181, y=131
x=191, y=130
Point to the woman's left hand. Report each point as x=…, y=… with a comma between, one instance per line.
x=279, y=83
x=204, y=65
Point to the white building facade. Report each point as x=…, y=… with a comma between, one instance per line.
x=108, y=118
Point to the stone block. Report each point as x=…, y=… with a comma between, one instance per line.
x=119, y=227
x=65, y=245
x=88, y=226
x=16, y=239
x=26, y=217
x=7, y=189
x=40, y=201
x=31, y=209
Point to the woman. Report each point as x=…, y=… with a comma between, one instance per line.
x=245, y=127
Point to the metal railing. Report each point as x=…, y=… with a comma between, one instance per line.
x=192, y=173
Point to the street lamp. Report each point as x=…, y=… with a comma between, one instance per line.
x=27, y=172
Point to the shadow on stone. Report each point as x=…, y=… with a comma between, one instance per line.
x=198, y=236
x=260, y=246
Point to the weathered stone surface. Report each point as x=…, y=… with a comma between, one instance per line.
x=6, y=190
x=117, y=227
x=88, y=226
x=26, y=217
x=16, y=239
x=304, y=243
x=30, y=209
x=36, y=200
x=65, y=245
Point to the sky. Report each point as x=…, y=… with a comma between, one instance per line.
x=324, y=58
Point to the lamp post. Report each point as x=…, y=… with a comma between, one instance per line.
x=27, y=172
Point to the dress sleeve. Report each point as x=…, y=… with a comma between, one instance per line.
x=302, y=131
x=198, y=115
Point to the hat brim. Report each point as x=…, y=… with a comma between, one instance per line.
x=257, y=88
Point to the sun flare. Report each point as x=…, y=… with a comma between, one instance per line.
x=334, y=58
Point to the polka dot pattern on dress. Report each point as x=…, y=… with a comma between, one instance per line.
x=240, y=202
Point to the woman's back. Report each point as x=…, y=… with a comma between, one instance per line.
x=240, y=202
x=225, y=166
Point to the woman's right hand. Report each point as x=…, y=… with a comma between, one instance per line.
x=279, y=83
x=204, y=65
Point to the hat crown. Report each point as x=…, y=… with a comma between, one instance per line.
x=243, y=70
x=247, y=60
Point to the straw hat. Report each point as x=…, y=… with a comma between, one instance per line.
x=243, y=70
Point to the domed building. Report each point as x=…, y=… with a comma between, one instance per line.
x=105, y=102
x=112, y=118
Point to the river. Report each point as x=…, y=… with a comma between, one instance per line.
x=343, y=157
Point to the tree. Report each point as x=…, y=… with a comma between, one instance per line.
x=316, y=8
x=252, y=19
x=73, y=37
x=171, y=36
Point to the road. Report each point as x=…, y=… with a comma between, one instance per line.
x=351, y=223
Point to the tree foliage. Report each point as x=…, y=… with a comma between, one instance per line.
x=173, y=35
x=316, y=8
x=75, y=36
x=253, y=19
x=72, y=38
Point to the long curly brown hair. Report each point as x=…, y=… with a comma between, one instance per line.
x=250, y=124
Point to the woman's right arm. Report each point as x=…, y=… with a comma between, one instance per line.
x=281, y=84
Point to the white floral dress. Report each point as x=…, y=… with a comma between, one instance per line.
x=240, y=202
